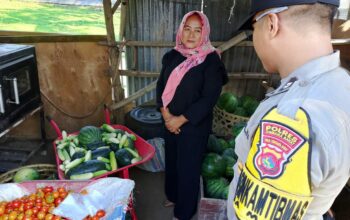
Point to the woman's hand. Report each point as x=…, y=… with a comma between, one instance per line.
x=166, y=114
x=174, y=123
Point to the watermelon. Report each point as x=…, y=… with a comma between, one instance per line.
x=213, y=166
x=26, y=174
x=237, y=128
x=249, y=104
x=229, y=167
x=241, y=112
x=230, y=152
x=217, y=188
x=217, y=145
x=228, y=102
x=89, y=135
x=232, y=142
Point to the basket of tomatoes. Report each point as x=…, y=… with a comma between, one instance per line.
x=44, y=199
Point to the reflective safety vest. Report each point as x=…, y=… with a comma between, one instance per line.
x=274, y=182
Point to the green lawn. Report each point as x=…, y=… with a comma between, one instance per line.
x=50, y=18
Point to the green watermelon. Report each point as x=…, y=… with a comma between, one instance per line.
x=230, y=152
x=26, y=174
x=232, y=142
x=213, y=166
x=241, y=112
x=237, y=128
x=213, y=144
x=228, y=102
x=216, y=145
x=249, y=104
x=229, y=166
x=217, y=188
x=89, y=135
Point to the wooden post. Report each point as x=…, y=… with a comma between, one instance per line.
x=114, y=57
x=122, y=19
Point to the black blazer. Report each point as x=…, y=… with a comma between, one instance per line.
x=197, y=92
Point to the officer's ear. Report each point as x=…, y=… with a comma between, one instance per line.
x=272, y=25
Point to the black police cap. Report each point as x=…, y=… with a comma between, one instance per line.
x=260, y=5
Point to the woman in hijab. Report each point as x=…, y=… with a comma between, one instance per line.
x=189, y=85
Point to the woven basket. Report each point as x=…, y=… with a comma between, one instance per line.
x=45, y=171
x=223, y=122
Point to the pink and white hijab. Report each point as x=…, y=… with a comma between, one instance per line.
x=194, y=56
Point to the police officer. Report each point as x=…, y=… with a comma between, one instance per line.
x=294, y=153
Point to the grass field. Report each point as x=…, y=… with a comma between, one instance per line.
x=52, y=18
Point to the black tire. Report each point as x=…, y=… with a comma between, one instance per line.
x=145, y=121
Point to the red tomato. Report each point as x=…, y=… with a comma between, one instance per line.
x=35, y=210
x=16, y=204
x=100, y=213
x=48, y=189
x=56, y=217
x=61, y=189
x=63, y=194
x=95, y=218
x=38, y=200
x=56, y=194
x=58, y=201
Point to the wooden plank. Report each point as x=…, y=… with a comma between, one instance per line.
x=73, y=87
x=134, y=96
x=231, y=75
x=166, y=44
x=51, y=38
x=233, y=41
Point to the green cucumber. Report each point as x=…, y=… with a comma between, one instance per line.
x=100, y=172
x=134, y=153
x=89, y=166
x=136, y=159
x=84, y=176
x=103, y=159
x=74, y=163
x=113, y=161
x=62, y=167
x=64, y=134
x=60, y=155
x=71, y=150
x=113, y=140
x=65, y=155
x=108, y=166
x=122, y=140
x=108, y=128
x=62, y=145
x=88, y=155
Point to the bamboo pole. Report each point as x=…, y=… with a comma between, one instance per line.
x=122, y=19
x=114, y=57
x=115, y=6
x=231, y=75
x=134, y=96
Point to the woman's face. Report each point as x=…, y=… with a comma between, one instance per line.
x=192, y=32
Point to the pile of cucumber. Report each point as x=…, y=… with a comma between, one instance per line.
x=107, y=151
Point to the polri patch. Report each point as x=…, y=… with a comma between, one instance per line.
x=277, y=144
